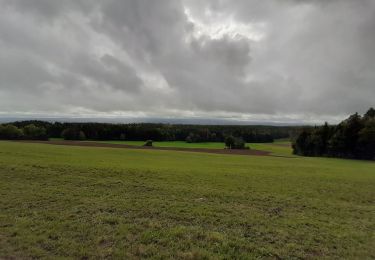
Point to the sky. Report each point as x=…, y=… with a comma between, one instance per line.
x=284, y=61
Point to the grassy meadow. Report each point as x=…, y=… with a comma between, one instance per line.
x=280, y=147
x=84, y=202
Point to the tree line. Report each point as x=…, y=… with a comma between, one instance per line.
x=142, y=131
x=29, y=132
x=353, y=138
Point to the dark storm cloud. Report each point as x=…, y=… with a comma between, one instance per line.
x=276, y=60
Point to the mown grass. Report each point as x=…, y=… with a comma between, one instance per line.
x=80, y=202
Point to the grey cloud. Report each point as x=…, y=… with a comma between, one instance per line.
x=46, y=9
x=105, y=57
x=109, y=71
x=233, y=54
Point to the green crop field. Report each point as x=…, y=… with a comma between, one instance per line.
x=85, y=202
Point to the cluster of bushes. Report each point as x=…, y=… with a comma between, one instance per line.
x=232, y=142
x=353, y=138
x=28, y=132
x=148, y=143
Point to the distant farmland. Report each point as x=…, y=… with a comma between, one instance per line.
x=88, y=202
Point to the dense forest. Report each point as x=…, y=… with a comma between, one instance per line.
x=140, y=132
x=352, y=138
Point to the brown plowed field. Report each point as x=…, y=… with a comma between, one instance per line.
x=199, y=150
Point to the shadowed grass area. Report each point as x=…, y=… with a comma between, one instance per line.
x=59, y=201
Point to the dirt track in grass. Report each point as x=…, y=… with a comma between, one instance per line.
x=199, y=150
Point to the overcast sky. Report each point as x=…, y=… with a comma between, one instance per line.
x=275, y=60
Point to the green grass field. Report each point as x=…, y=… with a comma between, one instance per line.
x=275, y=147
x=81, y=202
x=179, y=144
